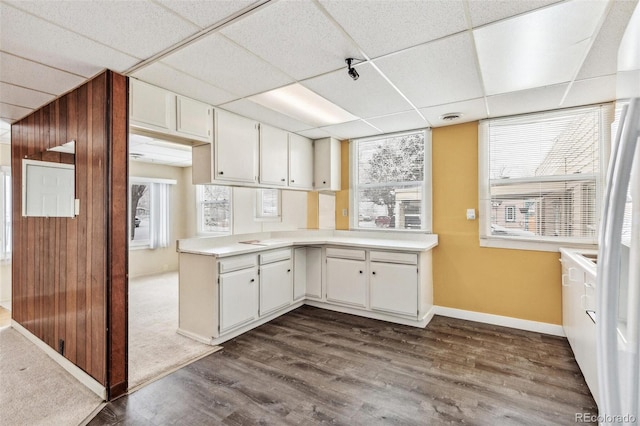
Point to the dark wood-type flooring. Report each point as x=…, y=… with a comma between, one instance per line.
x=316, y=366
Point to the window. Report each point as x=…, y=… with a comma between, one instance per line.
x=268, y=204
x=5, y=211
x=546, y=170
x=391, y=177
x=214, y=209
x=149, y=217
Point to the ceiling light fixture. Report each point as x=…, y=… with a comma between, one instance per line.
x=352, y=71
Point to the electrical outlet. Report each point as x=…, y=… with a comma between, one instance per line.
x=471, y=214
x=345, y=212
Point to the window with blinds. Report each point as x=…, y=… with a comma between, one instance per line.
x=546, y=169
x=213, y=206
x=391, y=182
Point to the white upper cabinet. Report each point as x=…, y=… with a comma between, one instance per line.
x=194, y=118
x=327, y=165
x=156, y=110
x=151, y=107
x=236, y=148
x=273, y=156
x=300, y=162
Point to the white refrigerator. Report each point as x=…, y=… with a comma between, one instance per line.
x=618, y=277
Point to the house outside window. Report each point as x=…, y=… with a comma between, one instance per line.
x=391, y=179
x=546, y=170
x=214, y=209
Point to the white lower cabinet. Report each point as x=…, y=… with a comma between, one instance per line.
x=276, y=286
x=394, y=288
x=238, y=298
x=347, y=281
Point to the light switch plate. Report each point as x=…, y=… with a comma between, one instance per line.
x=345, y=212
x=471, y=214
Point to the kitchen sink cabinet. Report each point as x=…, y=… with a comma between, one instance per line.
x=300, y=162
x=274, y=158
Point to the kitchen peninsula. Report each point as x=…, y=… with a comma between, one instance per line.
x=231, y=284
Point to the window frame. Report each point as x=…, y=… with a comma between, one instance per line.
x=426, y=216
x=137, y=180
x=259, y=215
x=199, y=212
x=539, y=243
x=6, y=244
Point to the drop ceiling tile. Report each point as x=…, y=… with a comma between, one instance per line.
x=369, y=96
x=169, y=78
x=435, y=73
x=603, y=56
x=33, y=38
x=483, y=12
x=351, y=129
x=536, y=49
x=138, y=28
x=259, y=113
x=591, y=91
x=13, y=112
x=531, y=100
x=21, y=72
x=217, y=60
x=294, y=36
x=314, y=133
x=471, y=110
x=628, y=84
x=202, y=13
x=381, y=27
x=23, y=97
x=407, y=120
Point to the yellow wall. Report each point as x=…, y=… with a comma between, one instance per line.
x=313, y=210
x=514, y=283
x=342, y=197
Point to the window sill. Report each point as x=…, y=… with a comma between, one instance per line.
x=135, y=247
x=517, y=244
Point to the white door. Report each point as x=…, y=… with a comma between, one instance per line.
x=394, y=288
x=236, y=144
x=347, y=281
x=273, y=156
x=238, y=298
x=276, y=286
x=194, y=119
x=300, y=162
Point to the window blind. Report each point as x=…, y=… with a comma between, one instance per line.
x=544, y=174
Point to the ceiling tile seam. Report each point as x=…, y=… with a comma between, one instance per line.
x=235, y=17
x=367, y=57
x=365, y=121
x=71, y=31
x=15, y=105
x=27, y=88
x=44, y=65
x=176, y=14
x=593, y=38
x=476, y=57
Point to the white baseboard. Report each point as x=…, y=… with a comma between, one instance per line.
x=521, y=324
x=91, y=383
x=421, y=323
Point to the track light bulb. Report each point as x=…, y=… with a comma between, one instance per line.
x=351, y=71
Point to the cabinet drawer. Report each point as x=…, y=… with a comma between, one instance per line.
x=275, y=256
x=236, y=263
x=394, y=257
x=346, y=253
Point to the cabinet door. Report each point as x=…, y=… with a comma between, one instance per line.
x=273, y=156
x=151, y=107
x=326, y=166
x=194, y=119
x=276, y=286
x=300, y=162
x=314, y=273
x=347, y=281
x=299, y=273
x=238, y=298
x=236, y=142
x=394, y=288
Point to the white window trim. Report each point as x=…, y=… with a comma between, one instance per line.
x=136, y=180
x=199, y=202
x=5, y=256
x=484, y=198
x=427, y=187
x=258, y=216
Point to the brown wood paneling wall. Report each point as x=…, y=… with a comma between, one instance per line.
x=69, y=276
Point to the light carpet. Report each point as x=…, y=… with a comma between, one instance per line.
x=155, y=348
x=35, y=390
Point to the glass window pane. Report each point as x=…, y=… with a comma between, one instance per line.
x=391, y=207
x=214, y=208
x=140, y=211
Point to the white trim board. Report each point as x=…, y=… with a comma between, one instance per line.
x=91, y=383
x=521, y=324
